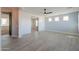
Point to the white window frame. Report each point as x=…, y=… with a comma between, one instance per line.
x=56, y=19
x=65, y=18
x=50, y=19
x=6, y=22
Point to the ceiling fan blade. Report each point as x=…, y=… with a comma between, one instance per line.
x=48, y=12
x=44, y=11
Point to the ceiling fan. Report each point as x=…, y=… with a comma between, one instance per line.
x=45, y=12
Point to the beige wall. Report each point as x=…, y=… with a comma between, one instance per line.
x=14, y=12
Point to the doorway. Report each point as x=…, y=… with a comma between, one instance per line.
x=35, y=24
x=6, y=24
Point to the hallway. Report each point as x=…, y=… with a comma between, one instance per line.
x=41, y=41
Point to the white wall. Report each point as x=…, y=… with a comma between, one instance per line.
x=41, y=24
x=25, y=22
x=70, y=26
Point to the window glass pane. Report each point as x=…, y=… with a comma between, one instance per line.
x=50, y=19
x=65, y=18
x=56, y=19
x=4, y=22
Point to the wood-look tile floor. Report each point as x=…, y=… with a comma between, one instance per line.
x=41, y=41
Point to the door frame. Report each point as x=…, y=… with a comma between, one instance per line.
x=32, y=22
x=10, y=21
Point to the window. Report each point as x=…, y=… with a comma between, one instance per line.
x=65, y=18
x=4, y=22
x=56, y=19
x=36, y=22
x=50, y=19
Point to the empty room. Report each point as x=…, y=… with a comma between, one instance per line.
x=39, y=28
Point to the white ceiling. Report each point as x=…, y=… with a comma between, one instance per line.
x=55, y=10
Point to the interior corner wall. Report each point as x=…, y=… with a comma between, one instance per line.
x=25, y=22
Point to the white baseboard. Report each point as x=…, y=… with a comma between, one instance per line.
x=51, y=31
x=64, y=32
